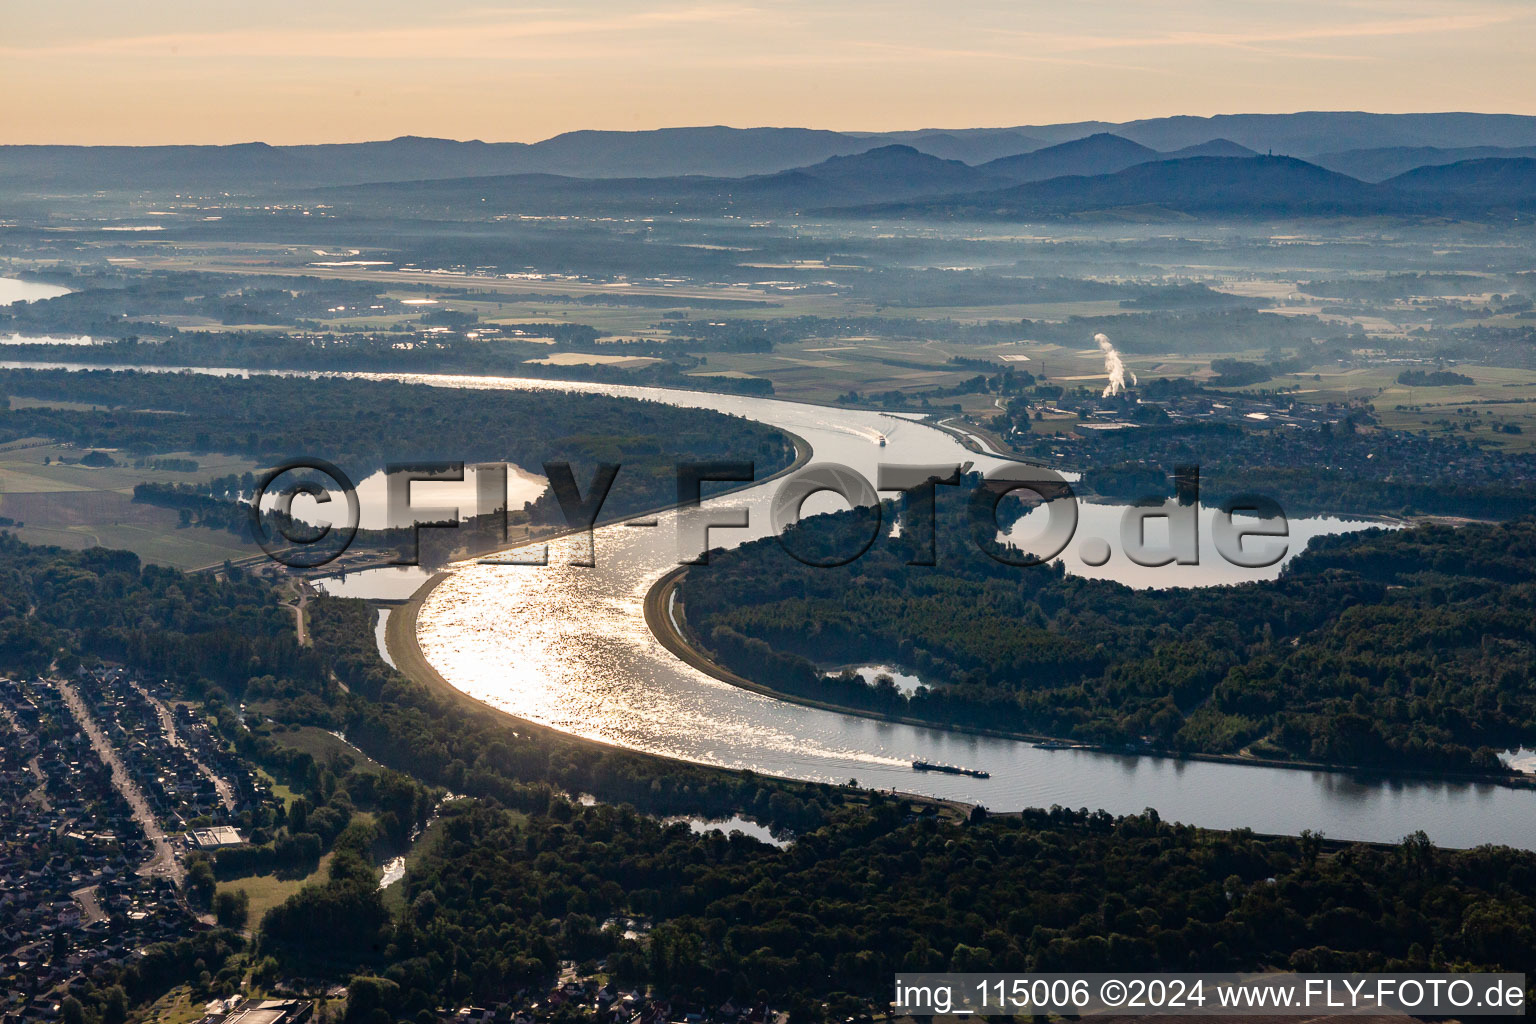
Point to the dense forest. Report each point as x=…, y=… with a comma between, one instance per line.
x=57, y=607
x=880, y=890
x=1383, y=649
x=363, y=425
x=520, y=877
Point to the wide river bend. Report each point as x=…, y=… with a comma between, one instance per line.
x=568, y=647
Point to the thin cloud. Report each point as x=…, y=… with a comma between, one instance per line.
x=1258, y=39
x=467, y=39
x=900, y=52
x=502, y=33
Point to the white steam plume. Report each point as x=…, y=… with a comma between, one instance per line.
x=1113, y=365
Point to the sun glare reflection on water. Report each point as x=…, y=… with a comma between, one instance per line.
x=568, y=647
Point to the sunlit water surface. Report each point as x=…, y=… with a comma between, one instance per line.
x=14, y=290
x=568, y=647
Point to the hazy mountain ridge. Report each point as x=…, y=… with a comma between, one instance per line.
x=1215, y=147
x=970, y=145
x=1245, y=187
x=721, y=151
x=899, y=181
x=1309, y=133
x=1390, y=161
x=1269, y=185
x=1100, y=153
x=1499, y=180
x=889, y=172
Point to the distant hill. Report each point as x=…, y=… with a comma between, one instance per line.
x=971, y=145
x=409, y=156
x=1055, y=134
x=1230, y=186
x=1100, y=153
x=714, y=150
x=1493, y=182
x=244, y=166
x=671, y=152
x=58, y=168
x=1381, y=164
x=1215, y=147
x=888, y=170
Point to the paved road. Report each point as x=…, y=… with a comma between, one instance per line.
x=90, y=905
x=168, y=724
x=302, y=592
x=40, y=794
x=163, y=863
x=298, y=619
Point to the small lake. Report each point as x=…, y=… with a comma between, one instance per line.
x=14, y=290
x=905, y=682
x=735, y=823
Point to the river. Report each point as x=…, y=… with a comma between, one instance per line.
x=568, y=647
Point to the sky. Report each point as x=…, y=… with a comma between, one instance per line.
x=295, y=71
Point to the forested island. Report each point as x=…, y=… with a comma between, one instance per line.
x=1386, y=649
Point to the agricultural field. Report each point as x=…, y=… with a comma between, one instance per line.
x=56, y=500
